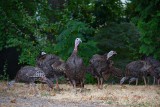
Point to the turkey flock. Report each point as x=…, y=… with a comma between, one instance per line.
x=50, y=67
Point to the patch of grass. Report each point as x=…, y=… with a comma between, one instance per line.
x=45, y=94
x=158, y=92
x=145, y=104
x=132, y=96
x=109, y=102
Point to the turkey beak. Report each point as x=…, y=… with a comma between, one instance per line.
x=115, y=52
x=80, y=40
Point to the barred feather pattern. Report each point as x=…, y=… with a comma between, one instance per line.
x=30, y=74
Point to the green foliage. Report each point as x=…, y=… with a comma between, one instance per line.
x=65, y=41
x=107, y=11
x=89, y=79
x=25, y=28
x=95, y=13
x=32, y=26
x=4, y=76
x=123, y=38
x=150, y=37
x=148, y=22
x=81, y=10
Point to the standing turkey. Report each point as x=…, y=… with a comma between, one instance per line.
x=29, y=75
x=114, y=72
x=136, y=70
x=100, y=67
x=154, y=71
x=75, y=69
x=52, y=65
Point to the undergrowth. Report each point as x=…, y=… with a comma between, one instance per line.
x=4, y=76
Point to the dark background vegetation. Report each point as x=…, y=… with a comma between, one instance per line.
x=30, y=26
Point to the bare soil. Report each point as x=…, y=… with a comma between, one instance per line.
x=20, y=95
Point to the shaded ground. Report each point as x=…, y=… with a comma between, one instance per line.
x=111, y=96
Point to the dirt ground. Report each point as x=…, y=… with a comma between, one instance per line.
x=20, y=95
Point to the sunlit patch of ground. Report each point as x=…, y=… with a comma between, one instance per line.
x=111, y=95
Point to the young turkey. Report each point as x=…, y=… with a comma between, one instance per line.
x=100, y=66
x=29, y=75
x=52, y=66
x=75, y=69
x=137, y=69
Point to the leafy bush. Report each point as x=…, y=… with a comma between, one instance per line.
x=65, y=41
x=123, y=38
x=25, y=28
x=150, y=39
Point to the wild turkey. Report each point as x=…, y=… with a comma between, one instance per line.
x=52, y=65
x=154, y=71
x=30, y=74
x=157, y=74
x=133, y=79
x=136, y=69
x=112, y=72
x=116, y=72
x=75, y=69
x=100, y=67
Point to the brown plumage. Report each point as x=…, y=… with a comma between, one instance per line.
x=75, y=69
x=30, y=74
x=114, y=72
x=154, y=71
x=100, y=67
x=52, y=65
x=136, y=69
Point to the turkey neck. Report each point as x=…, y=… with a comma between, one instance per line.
x=75, y=50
